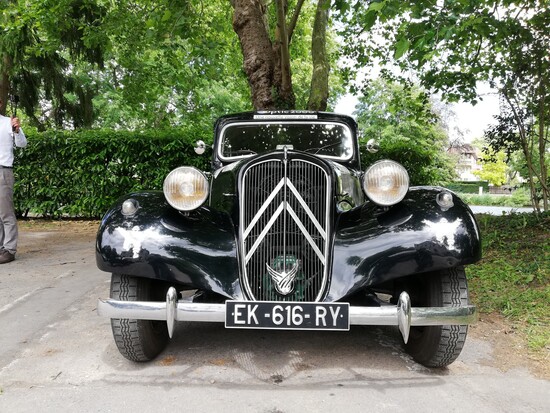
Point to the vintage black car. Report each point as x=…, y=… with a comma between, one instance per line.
x=287, y=232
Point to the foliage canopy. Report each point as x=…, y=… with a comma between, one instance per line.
x=136, y=64
x=452, y=45
x=408, y=130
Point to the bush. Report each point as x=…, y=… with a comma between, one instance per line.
x=477, y=199
x=468, y=187
x=518, y=199
x=423, y=167
x=80, y=174
x=521, y=197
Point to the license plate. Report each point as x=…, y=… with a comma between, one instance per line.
x=287, y=315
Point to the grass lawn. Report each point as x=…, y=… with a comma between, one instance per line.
x=513, y=278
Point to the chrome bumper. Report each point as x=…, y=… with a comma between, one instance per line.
x=401, y=315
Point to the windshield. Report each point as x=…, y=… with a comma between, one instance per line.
x=327, y=139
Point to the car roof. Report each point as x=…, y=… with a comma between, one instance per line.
x=286, y=115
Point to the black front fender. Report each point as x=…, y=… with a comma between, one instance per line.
x=372, y=246
x=198, y=250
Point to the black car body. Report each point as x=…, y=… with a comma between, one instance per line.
x=288, y=232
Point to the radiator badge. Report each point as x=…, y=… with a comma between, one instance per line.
x=284, y=278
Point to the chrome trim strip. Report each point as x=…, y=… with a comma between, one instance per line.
x=307, y=235
x=266, y=204
x=204, y=312
x=285, y=116
x=264, y=232
x=268, y=201
x=306, y=208
x=284, y=206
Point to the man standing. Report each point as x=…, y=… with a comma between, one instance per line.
x=10, y=134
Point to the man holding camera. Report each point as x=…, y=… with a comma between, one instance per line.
x=11, y=135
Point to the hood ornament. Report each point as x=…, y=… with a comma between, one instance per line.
x=284, y=280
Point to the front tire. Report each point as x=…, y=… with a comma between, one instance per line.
x=138, y=340
x=438, y=346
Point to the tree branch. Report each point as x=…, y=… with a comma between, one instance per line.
x=292, y=24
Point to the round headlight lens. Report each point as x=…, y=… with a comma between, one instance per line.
x=186, y=188
x=386, y=182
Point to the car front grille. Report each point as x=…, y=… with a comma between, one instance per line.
x=284, y=230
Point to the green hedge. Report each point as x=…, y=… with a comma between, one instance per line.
x=520, y=198
x=469, y=187
x=425, y=165
x=80, y=174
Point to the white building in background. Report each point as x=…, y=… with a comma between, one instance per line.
x=467, y=161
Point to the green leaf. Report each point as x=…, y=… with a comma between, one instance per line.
x=377, y=6
x=167, y=15
x=401, y=47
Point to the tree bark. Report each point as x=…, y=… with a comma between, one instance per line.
x=257, y=49
x=285, y=98
x=294, y=20
x=5, y=66
x=524, y=139
x=318, y=94
x=267, y=63
x=542, y=142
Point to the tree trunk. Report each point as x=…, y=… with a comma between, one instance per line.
x=524, y=139
x=258, y=62
x=84, y=114
x=318, y=94
x=267, y=63
x=285, y=98
x=4, y=83
x=542, y=143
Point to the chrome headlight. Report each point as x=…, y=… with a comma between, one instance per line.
x=386, y=182
x=186, y=188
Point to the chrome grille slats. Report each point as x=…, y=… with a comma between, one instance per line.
x=284, y=225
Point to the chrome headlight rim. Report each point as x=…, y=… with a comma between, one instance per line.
x=386, y=173
x=186, y=188
x=129, y=207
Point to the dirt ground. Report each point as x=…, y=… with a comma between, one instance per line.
x=509, y=346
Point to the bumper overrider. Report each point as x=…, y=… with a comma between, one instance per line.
x=402, y=315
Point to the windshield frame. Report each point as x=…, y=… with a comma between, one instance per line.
x=343, y=125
